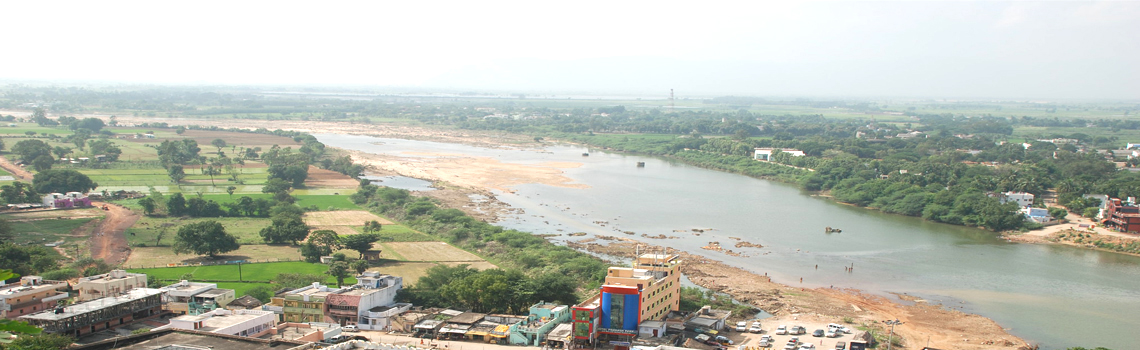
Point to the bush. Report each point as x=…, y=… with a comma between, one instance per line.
x=60, y=275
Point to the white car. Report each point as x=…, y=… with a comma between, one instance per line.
x=755, y=328
x=350, y=328
x=807, y=346
x=742, y=326
x=781, y=330
x=838, y=328
x=831, y=333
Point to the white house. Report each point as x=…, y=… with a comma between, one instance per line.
x=244, y=323
x=1022, y=199
x=765, y=154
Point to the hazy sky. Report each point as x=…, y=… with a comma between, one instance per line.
x=920, y=49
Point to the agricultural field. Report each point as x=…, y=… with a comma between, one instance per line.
x=342, y=218
x=429, y=251
x=146, y=232
x=256, y=272
x=39, y=232
x=149, y=257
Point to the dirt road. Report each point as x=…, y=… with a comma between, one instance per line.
x=16, y=171
x=109, y=241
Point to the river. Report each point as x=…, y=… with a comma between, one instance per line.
x=1056, y=295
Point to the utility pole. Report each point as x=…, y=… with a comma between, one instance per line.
x=671, y=101
x=892, y=334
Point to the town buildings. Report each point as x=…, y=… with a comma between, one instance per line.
x=765, y=154
x=648, y=291
x=66, y=200
x=542, y=319
x=99, y=314
x=108, y=284
x=245, y=323
x=1023, y=200
x=194, y=298
x=1122, y=215
x=33, y=294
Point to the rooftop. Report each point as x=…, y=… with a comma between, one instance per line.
x=467, y=318
x=205, y=340
x=214, y=293
x=97, y=304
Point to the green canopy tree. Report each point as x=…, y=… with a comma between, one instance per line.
x=62, y=180
x=360, y=243
x=340, y=271
x=19, y=192
x=360, y=266
x=285, y=228
x=204, y=238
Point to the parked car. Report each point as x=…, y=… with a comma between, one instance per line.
x=795, y=340
x=790, y=346
x=839, y=328
x=704, y=338
x=350, y=328
x=764, y=343
x=755, y=328
x=742, y=326
x=767, y=338
x=722, y=340
x=781, y=330
x=798, y=330
x=807, y=346
x=817, y=333
x=831, y=333
x=841, y=346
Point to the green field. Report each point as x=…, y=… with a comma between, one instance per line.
x=146, y=231
x=40, y=232
x=401, y=233
x=258, y=272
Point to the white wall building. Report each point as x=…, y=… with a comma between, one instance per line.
x=244, y=323
x=1022, y=199
x=765, y=154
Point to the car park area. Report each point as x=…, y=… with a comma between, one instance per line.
x=829, y=336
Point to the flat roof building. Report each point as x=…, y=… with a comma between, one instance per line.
x=33, y=294
x=108, y=284
x=99, y=314
x=245, y=323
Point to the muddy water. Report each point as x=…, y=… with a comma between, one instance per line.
x=1056, y=295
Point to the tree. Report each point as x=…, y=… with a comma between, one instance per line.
x=106, y=148
x=372, y=226
x=285, y=228
x=19, y=192
x=92, y=124
x=1058, y=213
x=60, y=151
x=231, y=190
x=326, y=239
x=340, y=271
x=43, y=162
x=176, y=173
x=29, y=150
x=204, y=238
x=61, y=181
x=148, y=205
x=176, y=205
x=180, y=130
x=219, y=143
x=261, y=292
x=360, y=243
x=362, y=265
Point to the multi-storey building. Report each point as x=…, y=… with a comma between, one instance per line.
x=32, y=295
x=306, y=304
x=631, y=295
x=108, y=284
x=1122, y=215
x=244, y=323
x=99, y=314
x=194, y=298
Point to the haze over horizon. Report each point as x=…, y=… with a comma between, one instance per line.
x=1055, y=50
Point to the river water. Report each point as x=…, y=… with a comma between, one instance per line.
x=1058, y=296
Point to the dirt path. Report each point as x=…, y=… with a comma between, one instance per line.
x=16, y=171
x=109, y=241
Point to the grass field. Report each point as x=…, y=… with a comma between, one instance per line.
x=147, y=257
x=258, y=272
x=146, y=231
x=342, y=218
x=39, y=232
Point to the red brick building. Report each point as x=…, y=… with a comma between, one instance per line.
x=1122, y=216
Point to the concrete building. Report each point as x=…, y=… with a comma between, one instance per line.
x=33, y=294
x=193, y=298
x=369, y=304
x=657, y=278
x=1023, y=200
x=542, y=319
x=108, y=284
x=171, y=338
x=244, y=323
x=99, y=314
x=66, y=200
x=648, y=291
x=765, y=154
x=305, y=304
x=1038, y=215
x=707, y=318
x=1122, y=216
x=310, y=331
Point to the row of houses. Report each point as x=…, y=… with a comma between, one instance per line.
x=637, y=301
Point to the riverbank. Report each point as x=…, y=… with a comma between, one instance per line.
x=953, y=329
x=922, y=321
